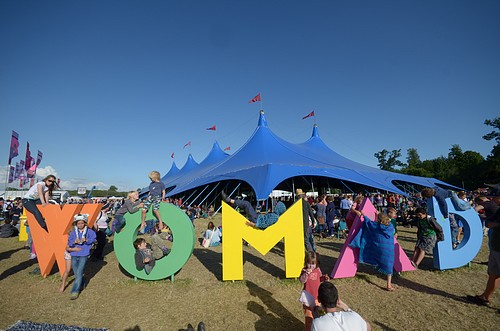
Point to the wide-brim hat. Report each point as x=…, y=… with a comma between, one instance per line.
x=81, y=217
x=299, y=192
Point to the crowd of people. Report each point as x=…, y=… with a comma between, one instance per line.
x=323, y=216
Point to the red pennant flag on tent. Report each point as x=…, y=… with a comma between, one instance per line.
x=308, y=115
x=255, y=99
x=212, y=128
x=188, y=144
x=172, y=155
x=228, y=148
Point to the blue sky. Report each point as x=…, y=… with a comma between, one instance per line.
x=107, y=90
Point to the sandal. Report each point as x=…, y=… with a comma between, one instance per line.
x=478, y=300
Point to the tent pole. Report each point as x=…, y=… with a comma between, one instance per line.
x=347, y=187
x=312, y=185
x=217, y=211
x=198, y=195
x=293, y=188
x=207, y=194
x=190, y=197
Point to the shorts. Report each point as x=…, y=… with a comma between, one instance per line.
x=426, y=243
x=67, y=256
x=494, y=263
x=152, y=200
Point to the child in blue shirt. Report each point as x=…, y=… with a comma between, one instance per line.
x=155, y=196
x=80, y=241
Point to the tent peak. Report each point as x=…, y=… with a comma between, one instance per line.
x=315, y=133
x=262, y=119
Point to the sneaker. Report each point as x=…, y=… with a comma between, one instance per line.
x=201, y=326
x=74, y=296
x=32, y=256
x=225, y=197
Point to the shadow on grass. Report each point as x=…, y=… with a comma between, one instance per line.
x=7, y=254
x=268, y=267
x=281, y=319
x=15, y=269
x=404, y=282
x=211, y=260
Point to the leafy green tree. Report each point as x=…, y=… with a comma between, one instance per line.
x=113, y=188
x=389, y=160
x=495, y=134
x=412, y=158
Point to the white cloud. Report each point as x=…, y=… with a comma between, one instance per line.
x=66, y=184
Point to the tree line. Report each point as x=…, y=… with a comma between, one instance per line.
x=467, y=169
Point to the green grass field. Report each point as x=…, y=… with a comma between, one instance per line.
x=424, y=299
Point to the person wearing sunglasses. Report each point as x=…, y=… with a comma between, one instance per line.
x=39, y=194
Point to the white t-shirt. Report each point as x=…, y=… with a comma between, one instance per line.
x=102, y=220
x=32, y=193
x=339, y=321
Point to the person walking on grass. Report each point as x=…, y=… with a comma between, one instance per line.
x=80, y=241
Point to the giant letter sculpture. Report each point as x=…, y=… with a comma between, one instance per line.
x=50, y=246
x=445, y=257
x=182, y=247
x=289, y=227
x=347, y=263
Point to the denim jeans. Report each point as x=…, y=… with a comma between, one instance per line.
x=453, y=228
x=30, y=206
x=249, y=210
x=78, y=266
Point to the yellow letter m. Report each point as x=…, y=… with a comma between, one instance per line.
x=289, y=227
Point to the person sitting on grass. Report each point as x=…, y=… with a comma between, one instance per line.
x=144, y=258
x=213, y=234
x=338, y=316
x=255, y=220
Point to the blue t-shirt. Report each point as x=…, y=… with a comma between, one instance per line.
x=156, y=188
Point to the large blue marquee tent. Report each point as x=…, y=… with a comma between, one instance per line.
x=266, y=162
